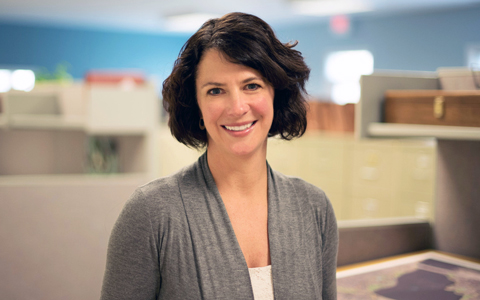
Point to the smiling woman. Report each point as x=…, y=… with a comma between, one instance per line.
x=236, y=105
x=228, y=226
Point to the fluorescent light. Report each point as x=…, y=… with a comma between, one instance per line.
x=23, y=80
x=341, y=66
x=343, y=69
x=5, y=80
x=329, y=7
x=187, y=22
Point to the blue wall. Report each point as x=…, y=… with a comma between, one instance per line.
x=87, y=49
x=414, y=41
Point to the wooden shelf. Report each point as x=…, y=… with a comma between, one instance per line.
x=64, y=123
x=373, y=87
x=46, y=122
x=427, y=131
x=116, y=131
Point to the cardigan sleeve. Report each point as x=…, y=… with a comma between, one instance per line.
x=132, y=269
x=329, y=253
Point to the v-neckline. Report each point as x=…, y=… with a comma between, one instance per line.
x=211, y=184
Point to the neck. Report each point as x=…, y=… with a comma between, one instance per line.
x=243, y=176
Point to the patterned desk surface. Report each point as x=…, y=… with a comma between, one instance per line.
x=422, y=275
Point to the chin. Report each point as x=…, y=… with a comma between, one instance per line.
x=246, y=150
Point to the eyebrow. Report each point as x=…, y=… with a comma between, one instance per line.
x=222, y=84
x=212, y=83
x=252, y=79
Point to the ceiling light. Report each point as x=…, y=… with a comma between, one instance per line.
x=187, y=22
x=23, y=80
x=341, y=66
x=330, y=7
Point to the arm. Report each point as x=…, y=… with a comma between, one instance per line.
x=329, y=254
x=132, y=270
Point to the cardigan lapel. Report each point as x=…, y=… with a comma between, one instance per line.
x=291, y=262
x=221, y=267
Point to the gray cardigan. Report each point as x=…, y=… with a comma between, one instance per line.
x=174, y=240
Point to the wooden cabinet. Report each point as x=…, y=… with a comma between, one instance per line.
x=433, y=107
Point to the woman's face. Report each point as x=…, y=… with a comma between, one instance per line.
x=236, y=104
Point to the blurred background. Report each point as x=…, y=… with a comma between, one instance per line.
x=82, y=124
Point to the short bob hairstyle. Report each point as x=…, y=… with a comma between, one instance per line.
x=247, y=40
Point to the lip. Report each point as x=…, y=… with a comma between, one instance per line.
x=240, y=132
x=239, y=124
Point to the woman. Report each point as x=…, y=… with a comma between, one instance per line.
x=228, y=227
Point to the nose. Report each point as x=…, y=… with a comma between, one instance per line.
x=238, y=104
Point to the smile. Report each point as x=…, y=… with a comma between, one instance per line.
x=239, y=128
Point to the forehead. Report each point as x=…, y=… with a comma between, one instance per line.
x=214, y=65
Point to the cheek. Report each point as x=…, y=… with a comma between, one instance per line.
x=210, y=112
x=265, y=107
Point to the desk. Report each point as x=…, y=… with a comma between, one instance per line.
x=420, y=275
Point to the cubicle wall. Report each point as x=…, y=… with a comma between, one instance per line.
x=54, y=234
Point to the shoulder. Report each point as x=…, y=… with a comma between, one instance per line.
x=315, y=195
x=159, y=197
x=310, y=197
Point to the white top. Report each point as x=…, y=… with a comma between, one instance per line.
x=262, y=284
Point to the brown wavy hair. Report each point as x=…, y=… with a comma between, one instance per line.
x=247, y=40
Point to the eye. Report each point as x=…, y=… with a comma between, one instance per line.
x=214, y=91
x=252, y=86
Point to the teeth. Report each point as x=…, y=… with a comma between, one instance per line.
x=239, y=128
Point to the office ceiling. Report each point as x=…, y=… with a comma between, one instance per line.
x=148, y=15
